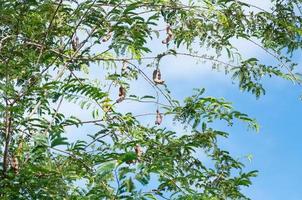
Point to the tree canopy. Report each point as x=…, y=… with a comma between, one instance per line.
x=47, y=51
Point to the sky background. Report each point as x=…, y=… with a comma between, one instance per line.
x=276, y=149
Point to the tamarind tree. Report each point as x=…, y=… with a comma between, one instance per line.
x=48, y=52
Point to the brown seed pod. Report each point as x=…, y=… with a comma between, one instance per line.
x=159, y=118
x=138, y=151
x=122, y=94
x=169, y=35
x=107, y=37
x=75, y=43
x=15, y=164
x=157, y=77
x=169, y=31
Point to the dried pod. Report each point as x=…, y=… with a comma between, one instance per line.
x=159, y=118
x=169, y=31
x=75, y=43
x=15, y=164
x=119, y=100
x=107, y=37
x=122, y=94
x=157, y=77
x=169, y=35
x=138, y=151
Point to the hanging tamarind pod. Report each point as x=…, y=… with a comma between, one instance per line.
x=122, y=94
x=75, y=43
x=169, y=35
x=157, y=77
x=138, y=151
x=159, y=118
x=15, y=164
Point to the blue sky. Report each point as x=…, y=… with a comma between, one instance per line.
x=276, y=149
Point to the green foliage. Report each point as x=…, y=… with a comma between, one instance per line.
x=48, y=53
